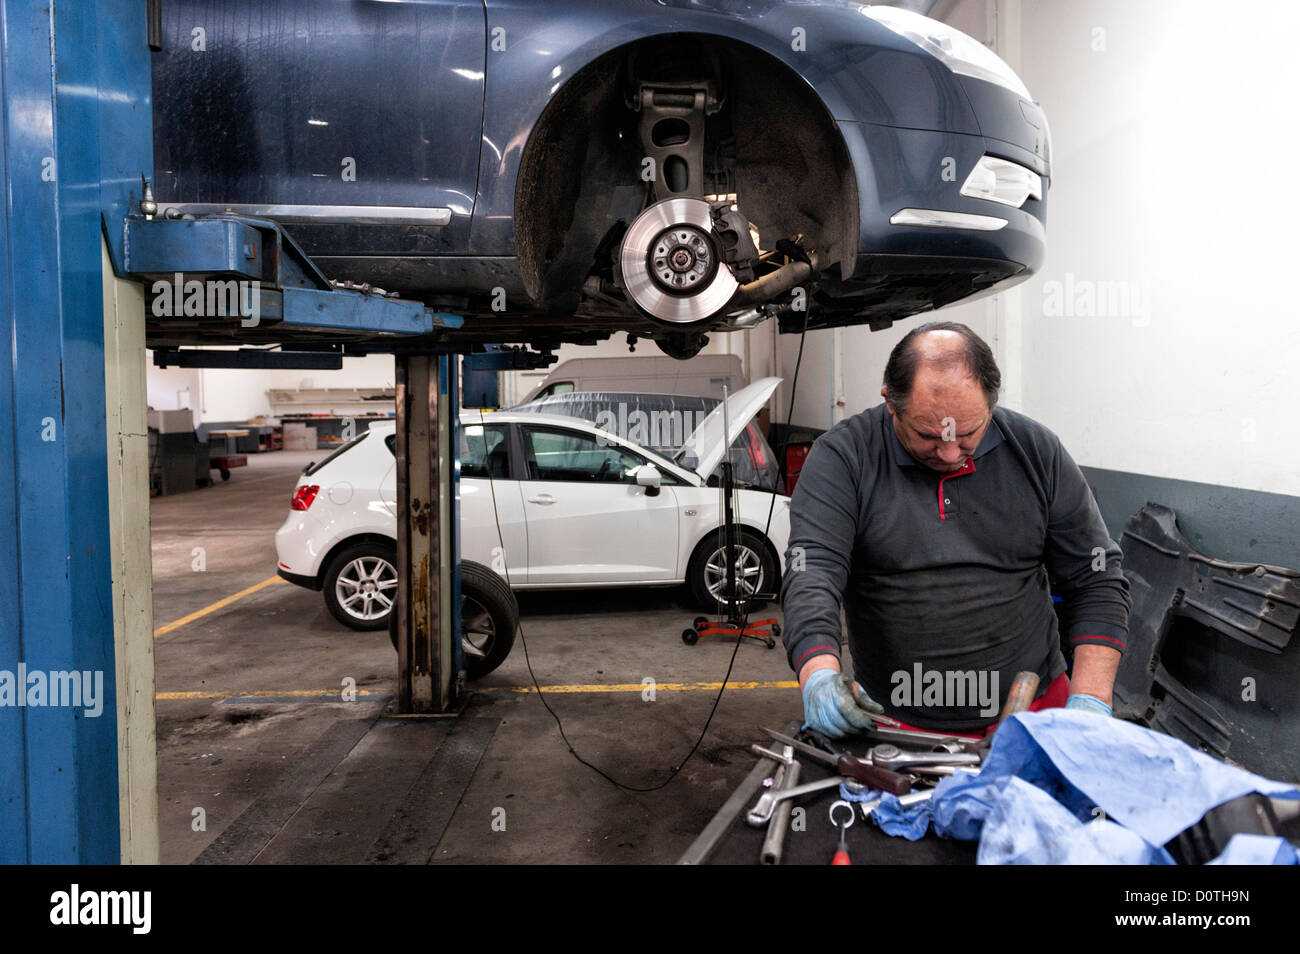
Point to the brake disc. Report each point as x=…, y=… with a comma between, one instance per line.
x=671, y=264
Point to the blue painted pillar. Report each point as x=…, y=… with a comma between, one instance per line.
x=74, y=133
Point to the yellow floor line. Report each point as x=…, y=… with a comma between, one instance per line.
x=219, y=604
x=592, y=687
x=267, y=693
x=641, y=687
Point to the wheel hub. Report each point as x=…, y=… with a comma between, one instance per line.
x=748, y=572
x=680, y=259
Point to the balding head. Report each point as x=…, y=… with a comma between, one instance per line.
x=945, y=351
x=941, y=385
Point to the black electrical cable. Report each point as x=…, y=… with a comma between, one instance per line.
x=673, y=771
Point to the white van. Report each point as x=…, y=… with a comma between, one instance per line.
x=704, y=375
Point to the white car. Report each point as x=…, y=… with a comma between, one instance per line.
x=576, y=506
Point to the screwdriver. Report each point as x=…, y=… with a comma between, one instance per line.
x=841, y=856
x=841, y=853
x=842, y=850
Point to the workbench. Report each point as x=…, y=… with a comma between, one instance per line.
x=728, y=840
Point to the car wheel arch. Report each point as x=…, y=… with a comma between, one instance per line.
x=539, y=212
x=709, y=538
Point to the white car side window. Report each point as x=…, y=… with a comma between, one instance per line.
x=557, y=454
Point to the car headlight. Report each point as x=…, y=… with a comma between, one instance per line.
x=959, y=52
x=1001, y=181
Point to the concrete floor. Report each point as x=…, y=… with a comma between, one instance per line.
x=251, y=717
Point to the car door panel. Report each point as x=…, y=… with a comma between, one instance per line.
x=308, y=105
x=588, y=521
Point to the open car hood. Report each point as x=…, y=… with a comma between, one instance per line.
x=706, y=445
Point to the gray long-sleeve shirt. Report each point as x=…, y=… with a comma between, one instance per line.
x=947, y=573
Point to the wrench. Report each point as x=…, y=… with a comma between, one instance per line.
x=892, y=757
x=762, y=811
x=944, y=770
x=921, y=737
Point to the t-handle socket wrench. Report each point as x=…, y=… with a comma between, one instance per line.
x=786, y=777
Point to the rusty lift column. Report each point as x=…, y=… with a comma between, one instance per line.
x=428, y=659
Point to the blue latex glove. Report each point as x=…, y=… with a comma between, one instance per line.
x=835, y=705
x=1081, y=700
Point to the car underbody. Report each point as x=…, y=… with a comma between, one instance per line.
x=675, y=186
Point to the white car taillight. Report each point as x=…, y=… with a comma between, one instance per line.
x=303, y=496
x=999, y=180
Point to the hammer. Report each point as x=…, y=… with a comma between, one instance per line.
x=1023, y=689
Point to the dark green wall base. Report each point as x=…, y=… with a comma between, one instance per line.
x=1245, y=526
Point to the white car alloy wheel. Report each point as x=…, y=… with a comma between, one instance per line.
x=366, y=588
x=749, y=573
x=755, y=573
x=360, y=586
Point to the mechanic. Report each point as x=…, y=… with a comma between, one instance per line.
x=937, y=520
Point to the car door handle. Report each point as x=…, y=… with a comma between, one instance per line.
x=544, y=499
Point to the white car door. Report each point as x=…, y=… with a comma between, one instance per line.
x=588, y=519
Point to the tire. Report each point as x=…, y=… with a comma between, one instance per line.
x=706, y=574
x=369, y=562
x=489, y=617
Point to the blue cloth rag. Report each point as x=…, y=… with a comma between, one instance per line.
x=1064, y=786
x=911, y=822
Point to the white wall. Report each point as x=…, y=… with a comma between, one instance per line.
x=1172, y=197
x=218, y=394
x=372, y=371
x=170, y=389
x=1173, y=132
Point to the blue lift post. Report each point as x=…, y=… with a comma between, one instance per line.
x=75, y=137
x=76, y=140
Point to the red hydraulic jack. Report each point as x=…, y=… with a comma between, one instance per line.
x=737, y=622
x=765, y=631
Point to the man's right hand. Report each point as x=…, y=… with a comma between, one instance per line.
x=835, y=705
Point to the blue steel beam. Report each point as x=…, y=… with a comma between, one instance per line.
x=283, y=279
x=227, y=247
x=67, y=108
x=343, y=310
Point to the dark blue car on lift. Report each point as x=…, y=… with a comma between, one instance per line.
x=560, y=170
